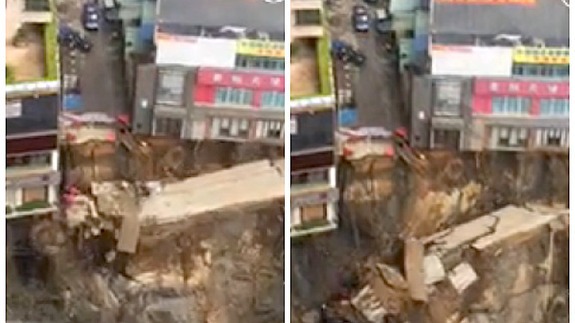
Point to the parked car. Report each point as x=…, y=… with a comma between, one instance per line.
x=346, y=53
x=73, y=39
x=371, y=2
x=382, y=21
x=360, y=19
x=91, y=16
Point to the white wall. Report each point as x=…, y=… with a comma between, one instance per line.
x=196, y=52
x=471, y=61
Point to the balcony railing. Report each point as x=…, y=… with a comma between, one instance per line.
x=30, y=208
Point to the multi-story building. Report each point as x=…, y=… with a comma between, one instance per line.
x=314, y=193
x=498, y=77
x=218, y=72
x=32, y=107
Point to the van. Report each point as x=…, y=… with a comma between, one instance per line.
x=109, y=4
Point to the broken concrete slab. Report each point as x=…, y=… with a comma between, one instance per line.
x=368, y=304
x=462, y=276
x=414, y=268
x=434, y=269
x=215, y=191
x=392, y=276
x=514, y=222
x=488, y=230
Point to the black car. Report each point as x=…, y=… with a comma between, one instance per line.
x=371, y=2
x=382, y=21
x=360, y=18
x=72, y=39
x=91, y=16
x=345, y=53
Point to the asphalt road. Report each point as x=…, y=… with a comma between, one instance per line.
x=100, y=72
x=375, y=85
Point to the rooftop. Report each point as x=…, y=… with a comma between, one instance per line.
x=310, y=68
x=260, y=15
x=30, y=44
x=530, y=20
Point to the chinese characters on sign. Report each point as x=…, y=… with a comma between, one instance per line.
x=260, y=48
x=534, y=55
x=557, y=89
x=241, y=80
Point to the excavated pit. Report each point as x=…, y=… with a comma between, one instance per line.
x=219, y=267
x=385, y=202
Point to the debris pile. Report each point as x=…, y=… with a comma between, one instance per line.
x=500, y=267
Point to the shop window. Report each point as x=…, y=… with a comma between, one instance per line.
x=446, y=139
x=233, y=96
x=507, y=137
x=507, y=105
x=170, y=89
x=231, y=127
x=541, y=70
x=272, y=100
x=447, y=98
x=553, y=138
x=169, y=127
x=261, y=63
x=554, y=107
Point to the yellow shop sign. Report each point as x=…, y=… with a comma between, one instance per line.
x=260, y=48
x=541, y=55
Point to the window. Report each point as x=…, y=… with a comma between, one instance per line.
x=274, y=129
x=13, y=109
x=447, y=98
x=35, y=194
x=320, y=176
x=170, y=89
x=234, y=96
x=272, y=100
x=313, y=213
x=507, y=137
x=168, y=127
x=554, y=107
x=262, y=63
x=230, y=127
x=553, y=138
x=36, y=160
x=541, y=70
x=446, y=139
x=510, y=105
x=308, y=17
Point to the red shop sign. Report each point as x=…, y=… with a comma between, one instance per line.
x=522, y=88
x=241, y=79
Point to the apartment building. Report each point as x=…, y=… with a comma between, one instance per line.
x=314, y=193
x=498, y=78
x=32, y=107
x=218, y=72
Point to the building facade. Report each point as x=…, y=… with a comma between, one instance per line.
x=217, y=79
x=32, y=156
x=485, y=90
x=32, y=108
x=314, y=193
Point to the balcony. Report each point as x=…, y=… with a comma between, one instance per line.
x=29, y=209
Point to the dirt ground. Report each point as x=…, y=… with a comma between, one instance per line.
x=305, y=70
x=381, y=207
x=26, y=56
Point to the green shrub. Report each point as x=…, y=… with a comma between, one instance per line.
x=10, y=77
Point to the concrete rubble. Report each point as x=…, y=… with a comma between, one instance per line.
x=444, y=271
